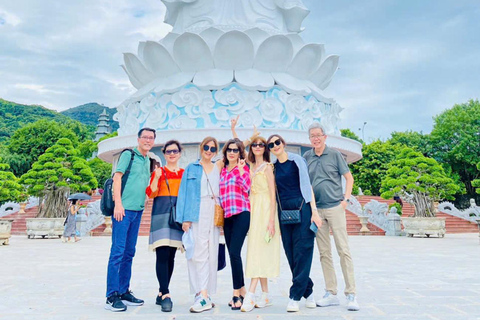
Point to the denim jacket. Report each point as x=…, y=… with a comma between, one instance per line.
x=188, y=199
x=305, y=186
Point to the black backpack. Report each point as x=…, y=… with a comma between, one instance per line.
x=107, y=205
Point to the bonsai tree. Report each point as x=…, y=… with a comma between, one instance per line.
x=418, y=180
x=10, y=188
x=55, y=174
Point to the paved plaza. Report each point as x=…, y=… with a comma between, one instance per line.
x=397, y=278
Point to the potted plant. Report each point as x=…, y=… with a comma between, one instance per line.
x=52, y=177
x=420, y=181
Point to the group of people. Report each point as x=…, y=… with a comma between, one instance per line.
x=294, y=198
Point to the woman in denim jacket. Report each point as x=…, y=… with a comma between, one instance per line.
x=197, y=196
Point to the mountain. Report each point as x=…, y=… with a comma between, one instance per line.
x=14, y=116
x=88, y=114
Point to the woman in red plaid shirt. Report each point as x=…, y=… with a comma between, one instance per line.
x=234, y=188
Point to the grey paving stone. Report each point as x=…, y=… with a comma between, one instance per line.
x=397, y=278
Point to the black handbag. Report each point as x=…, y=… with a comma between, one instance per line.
x=172, y=219
x=289, y=216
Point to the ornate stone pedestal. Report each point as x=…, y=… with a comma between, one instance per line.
x=364, y=221
x=108, y=226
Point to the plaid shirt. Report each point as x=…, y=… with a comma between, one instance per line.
x=234, y=190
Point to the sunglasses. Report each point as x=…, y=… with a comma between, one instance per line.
x=233, y=150
x=212, y=149
x=174, y=151
x=275, y=143
x=258, y=145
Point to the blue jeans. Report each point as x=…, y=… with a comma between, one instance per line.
x=124, y=240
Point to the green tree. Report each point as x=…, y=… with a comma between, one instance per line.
x=476, y=182
x=347, y=133
x=29, y=142
x=415, y=140
x=58, y=167
x=419, y=180
x=370, y=170
x=87, y=148
x=456, y=142
x=101, y=170
x=10, y=189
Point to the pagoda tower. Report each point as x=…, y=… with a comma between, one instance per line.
x=103, y=128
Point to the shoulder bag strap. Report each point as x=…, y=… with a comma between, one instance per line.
x=208, y=182
x=127, y=172
x=168, y=185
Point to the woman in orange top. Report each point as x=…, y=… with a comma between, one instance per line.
x=165, y=239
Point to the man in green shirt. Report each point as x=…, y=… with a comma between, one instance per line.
x=326, y=167
x=129, y=205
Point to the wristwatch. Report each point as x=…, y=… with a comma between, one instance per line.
x=347, y=200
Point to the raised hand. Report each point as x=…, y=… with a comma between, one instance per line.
x=234, y=122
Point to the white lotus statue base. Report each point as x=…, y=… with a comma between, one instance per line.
x=225, y=59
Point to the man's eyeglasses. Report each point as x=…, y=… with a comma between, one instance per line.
x=230, y=150
x=212, y=149
x=274, y=143
x=174, y=151
x=258, y=145
x=317, y=136
x=148, y=138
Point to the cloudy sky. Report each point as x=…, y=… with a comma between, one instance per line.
x=401, y=61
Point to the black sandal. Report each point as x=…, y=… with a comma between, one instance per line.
x=235, y=300
x=241, y=300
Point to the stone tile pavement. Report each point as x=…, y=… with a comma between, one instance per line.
x=397, y=278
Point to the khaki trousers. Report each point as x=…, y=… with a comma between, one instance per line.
x=334, y=218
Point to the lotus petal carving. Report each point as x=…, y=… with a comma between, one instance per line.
x=234, y=51
x=158, y=60
x=274, y=54
x=191, y=53
x=321, y=78
x=213, y=59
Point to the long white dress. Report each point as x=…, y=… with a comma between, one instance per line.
x=202, y=268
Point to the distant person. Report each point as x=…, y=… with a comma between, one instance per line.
x=129, y=205
x=326, y=167
x=398, y=200
x=70, y=223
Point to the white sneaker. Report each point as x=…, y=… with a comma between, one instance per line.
x=201, y=305
x=293, y=306
x=352, y=304
x=264, y=301
x=248, y=302
x=328, y=299
x=310, y=302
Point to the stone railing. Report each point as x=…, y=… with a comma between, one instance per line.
x=9, y=208
x=89, y=218
x=378, y=215
x=471, y=214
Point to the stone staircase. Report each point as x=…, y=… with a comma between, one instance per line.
x=19, y=224
x=453, y=224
